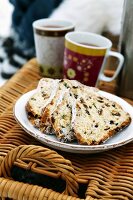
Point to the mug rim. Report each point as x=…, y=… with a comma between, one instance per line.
x=67, y=38
x=36, y=25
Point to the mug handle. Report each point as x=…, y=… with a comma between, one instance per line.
x=120, y=65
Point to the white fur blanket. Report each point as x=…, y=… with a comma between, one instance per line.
x=92, y=15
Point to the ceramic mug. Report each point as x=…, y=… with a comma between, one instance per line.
x=85, y=57
x=49, y=44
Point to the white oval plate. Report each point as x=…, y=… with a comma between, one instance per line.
x=123, y=137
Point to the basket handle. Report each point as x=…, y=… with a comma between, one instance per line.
x=41, y=160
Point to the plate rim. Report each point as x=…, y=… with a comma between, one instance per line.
x=64, y=146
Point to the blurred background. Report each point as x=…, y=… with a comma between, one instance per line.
x=5, y=17
x=102, y=17
x=5, y=22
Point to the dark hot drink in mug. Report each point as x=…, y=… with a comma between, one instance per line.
x=52, y=26
x=90, y=45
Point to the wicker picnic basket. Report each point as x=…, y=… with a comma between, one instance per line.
x=30, y=170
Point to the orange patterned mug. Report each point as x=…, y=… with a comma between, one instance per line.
x=85, y=57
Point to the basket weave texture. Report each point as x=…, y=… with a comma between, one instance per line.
x=107, y=175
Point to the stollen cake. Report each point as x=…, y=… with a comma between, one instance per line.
x=73, y=111
x=45, y=92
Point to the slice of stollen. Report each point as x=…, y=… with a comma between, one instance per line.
x=97, y=119
x=44, y=94
x=62, y=118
